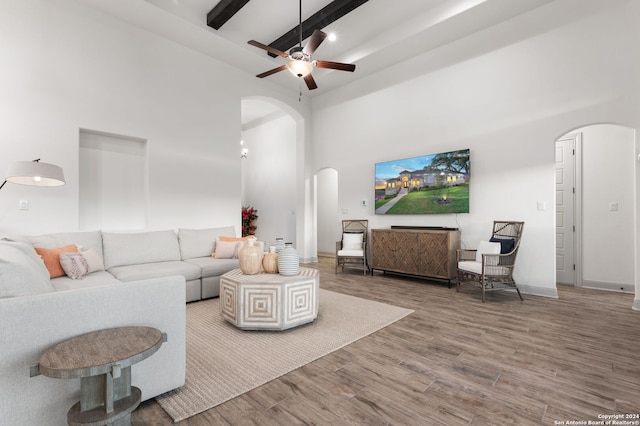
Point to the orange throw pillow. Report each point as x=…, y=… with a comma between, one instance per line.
x=235, y=239
x=51, y=258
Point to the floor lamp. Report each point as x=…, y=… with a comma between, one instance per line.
x=34, y=173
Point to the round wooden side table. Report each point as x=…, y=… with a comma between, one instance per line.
x=102, y=360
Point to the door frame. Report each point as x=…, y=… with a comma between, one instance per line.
x=577, y=209
x=577, y=204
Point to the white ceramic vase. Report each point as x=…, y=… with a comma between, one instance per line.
x=279, y=244
x=288, y=260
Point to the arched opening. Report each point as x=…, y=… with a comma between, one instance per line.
x=595, y=207
x=272, y=144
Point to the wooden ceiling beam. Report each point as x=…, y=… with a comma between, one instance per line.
x=223, y=11
x=325, y=16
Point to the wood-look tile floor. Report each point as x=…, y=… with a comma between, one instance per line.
x=455, y=361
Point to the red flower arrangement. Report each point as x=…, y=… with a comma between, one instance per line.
x=249, y=214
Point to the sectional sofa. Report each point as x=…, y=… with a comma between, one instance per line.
x=142, y=255
x=146, y=280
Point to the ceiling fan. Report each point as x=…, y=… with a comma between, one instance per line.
x=300, y=61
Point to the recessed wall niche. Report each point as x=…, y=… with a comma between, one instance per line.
x=113, y=190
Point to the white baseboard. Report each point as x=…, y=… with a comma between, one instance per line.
x=327, y=254
x=636, y=305
x=538, y=291
x=624, y=288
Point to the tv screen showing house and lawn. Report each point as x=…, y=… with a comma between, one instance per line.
x=436, y=183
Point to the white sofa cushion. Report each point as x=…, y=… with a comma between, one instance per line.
x=486, y=247
x=139, y=248
x=146, y=271
x=201, y=242
x=476, y=268
x=352, y=253
x=83, y=239
x=96, y=279
x=471, y=266
x=214, y=267
x=22, y=272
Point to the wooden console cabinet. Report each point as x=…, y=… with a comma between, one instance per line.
x=422, y=252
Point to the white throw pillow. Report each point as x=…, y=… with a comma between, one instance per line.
x=352, y=241
x=74, y=265
x=77, y=265
x=94, y=260
x=227, y=249
x=485, y=247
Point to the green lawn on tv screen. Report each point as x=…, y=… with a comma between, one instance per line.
x=426, y=201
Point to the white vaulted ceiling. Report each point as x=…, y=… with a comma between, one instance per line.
x=374, y=36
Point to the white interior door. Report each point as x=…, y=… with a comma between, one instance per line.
x=565, y=210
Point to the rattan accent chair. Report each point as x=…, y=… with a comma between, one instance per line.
x=351, y=250
x=490, y=267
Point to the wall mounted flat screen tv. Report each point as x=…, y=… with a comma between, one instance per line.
x=430, y=184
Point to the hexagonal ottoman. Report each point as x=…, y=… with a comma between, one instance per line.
x=269, y=301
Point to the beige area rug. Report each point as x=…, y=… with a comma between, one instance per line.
x=224, y=362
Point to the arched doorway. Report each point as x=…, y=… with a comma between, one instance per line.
x=595, y=205
x=272, y=145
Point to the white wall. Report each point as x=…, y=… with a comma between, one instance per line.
x=67, y=66
x=508, y=103
x=269, y=178
x=608, y=166
x=112, y=182
x=328, y=222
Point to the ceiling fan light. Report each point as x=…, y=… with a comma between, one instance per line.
x=300, y=68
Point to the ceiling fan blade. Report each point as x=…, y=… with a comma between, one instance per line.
x=311, y=83
x=316, y=38
x=268, y=48
x=336, y=66
x=272, y=71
